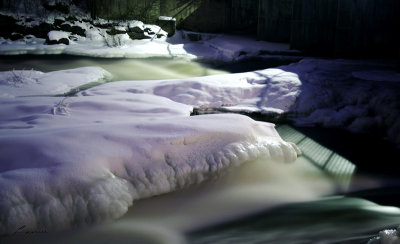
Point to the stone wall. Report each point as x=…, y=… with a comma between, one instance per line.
x=144, y=10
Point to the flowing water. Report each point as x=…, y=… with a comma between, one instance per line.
x=259, y=202
x=121, y=69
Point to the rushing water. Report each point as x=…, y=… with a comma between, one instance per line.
x=259, y=202
x=121, y=69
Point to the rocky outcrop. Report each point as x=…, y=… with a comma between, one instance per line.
x=15, y=27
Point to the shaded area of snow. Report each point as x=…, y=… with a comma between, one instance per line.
x=34, y=83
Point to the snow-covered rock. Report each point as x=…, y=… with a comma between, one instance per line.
x=58, y=37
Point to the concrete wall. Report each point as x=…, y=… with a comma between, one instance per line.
x=314, y=25
x=349, y=29
x=244, y=15
x=367, y=28
x=274, y=20
x=211, y=16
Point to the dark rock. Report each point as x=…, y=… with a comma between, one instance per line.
x=7, y=26
x=78, y=30
x=149, y=31
x=66, y=27
x=73, y=38
x=194, y=37
x=138, y=36
x=16, y=36
x=136, y=29
x=160, y=35
x=115, y=31
x=168, y=25
x=71, y=18
x=22, y=29
x=61, y=41
x=42, y=29
x=58, y=22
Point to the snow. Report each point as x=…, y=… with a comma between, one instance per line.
x=244, y=90
x=166, y=18
x=57, y=35
x=18, y=83
x=80, y=160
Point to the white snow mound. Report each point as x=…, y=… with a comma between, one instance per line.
x=81, y=160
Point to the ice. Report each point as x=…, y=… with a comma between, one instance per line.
x=34, y=83
x=82, y=160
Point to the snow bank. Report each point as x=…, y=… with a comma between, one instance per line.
x=270, y=90
x=331, y=93
x=34, y=83
x=80, y=160
x=96, y=43
x=387, y=237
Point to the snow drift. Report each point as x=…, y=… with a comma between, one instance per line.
x=35, y=83
x=360, y=96
x=81, y=160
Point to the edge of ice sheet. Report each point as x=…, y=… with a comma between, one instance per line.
x=90, y=160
